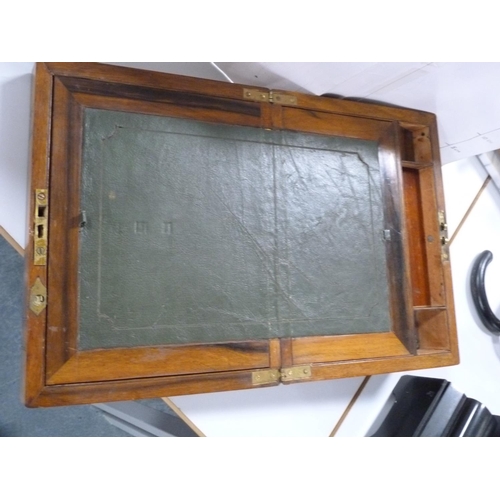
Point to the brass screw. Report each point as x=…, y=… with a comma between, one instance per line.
x=39, y=299
x=41, y=196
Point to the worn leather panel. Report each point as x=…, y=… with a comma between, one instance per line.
x=200, y=232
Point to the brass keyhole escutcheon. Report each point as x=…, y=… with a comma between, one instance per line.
x=38, y=297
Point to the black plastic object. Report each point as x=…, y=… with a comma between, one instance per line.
x=429, y=407
x=478, y=291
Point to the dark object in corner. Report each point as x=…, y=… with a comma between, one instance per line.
x=478, y=292
x=430, y=407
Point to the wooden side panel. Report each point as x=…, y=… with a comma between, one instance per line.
x=154, y=387
x=433, y=328
x=85, y=393
x=35, y=326
x=363, y=109
x=167, y=109
x=431, y=238
x=274, y=354
x=286, y=352
x=108, y=73
x=398, y=253
x=416, y=237
x=324, y=123
x=63, y=228
x=117, y=364
x=446, y=266
x=346, y=347
x=422, y=145
x=380, y=365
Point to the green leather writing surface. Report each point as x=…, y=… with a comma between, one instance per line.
x=199, y=232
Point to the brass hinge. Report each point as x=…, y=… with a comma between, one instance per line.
x=255, y=95
x=271, y=96
x=443, y=236
x=283, y=99
x=38, y=297
x=261, y=377
x=295, y=373
x=41, y=228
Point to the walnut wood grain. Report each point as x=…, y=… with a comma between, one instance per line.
x=35, y=326
x=152, y=79
x=117, y=364
x=147, y=94
x=446, y=265
x=346, y=347
x=397, y=248
x=69, y=394
x=286, y=352
x=431, y=237
x=343, y=369
x=364, y=110
x=63, y=227
x=416, y=238
x=324, y=123
x=153, y=387
x=167, y=109
x=416, y=166
x=110, y=74
x=432, y=324
x=275, y=354
x=422, y=145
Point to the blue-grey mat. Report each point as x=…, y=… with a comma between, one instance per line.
x=15, y=418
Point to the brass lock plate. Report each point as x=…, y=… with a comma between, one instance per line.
x=443, y=236
x=41, y=225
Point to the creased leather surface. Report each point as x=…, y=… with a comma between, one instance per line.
x=200, y=232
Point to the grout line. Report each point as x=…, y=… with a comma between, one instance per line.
x=222, y=72
x=469, y=210
x=17, y=247
x=182, y=416
x=349, y=406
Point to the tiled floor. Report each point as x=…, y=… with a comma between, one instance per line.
x=478, y=374
x=473, y=213
x=310, y=409
x=15, y=418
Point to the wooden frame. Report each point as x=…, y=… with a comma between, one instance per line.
x=423, y=333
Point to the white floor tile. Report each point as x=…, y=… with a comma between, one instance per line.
x=310, y=409
x=478, y=374
x=462, y=181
